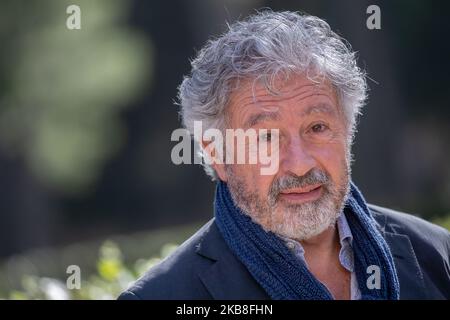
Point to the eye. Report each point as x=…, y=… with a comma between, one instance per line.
x=266, y=136
x=319, y=128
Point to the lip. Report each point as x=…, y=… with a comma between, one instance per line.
x=300, y=195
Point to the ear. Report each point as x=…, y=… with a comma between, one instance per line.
x=210, y=151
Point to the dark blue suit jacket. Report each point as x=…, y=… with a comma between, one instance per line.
x=203, y=267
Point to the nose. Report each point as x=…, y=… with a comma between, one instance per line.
x=296, y=158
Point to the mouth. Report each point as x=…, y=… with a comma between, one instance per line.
x=301, y=195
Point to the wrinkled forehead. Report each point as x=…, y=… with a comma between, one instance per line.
x=259, y=90
x=259, y=95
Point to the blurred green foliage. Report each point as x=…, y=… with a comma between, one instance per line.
x=444, y=222
x=61, y=100
x=111, y=278
x=107, y=268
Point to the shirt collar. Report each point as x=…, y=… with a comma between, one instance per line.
x=345, y=234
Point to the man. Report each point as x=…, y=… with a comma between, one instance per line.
x=304, y=231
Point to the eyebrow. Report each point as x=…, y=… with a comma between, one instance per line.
x=319, y=108
x=259, y=117
x=274, y=116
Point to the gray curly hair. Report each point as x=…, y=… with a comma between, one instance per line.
x=263, y=46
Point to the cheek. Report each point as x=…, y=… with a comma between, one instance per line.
x=263, y=184
x=254, y=180
x=332, y=157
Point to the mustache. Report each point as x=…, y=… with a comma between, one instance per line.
x=290, y=181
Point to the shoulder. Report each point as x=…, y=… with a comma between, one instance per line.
x=416, y=228
x=421, y=251
x=429, y=241
x=177, y=276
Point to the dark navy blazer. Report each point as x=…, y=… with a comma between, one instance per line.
x=203, y=267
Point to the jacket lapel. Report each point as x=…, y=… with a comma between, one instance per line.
x=412, y=284
x=227, y=278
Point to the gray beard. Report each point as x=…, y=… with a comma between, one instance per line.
x=299, y=221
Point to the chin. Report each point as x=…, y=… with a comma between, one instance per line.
x=304, y=222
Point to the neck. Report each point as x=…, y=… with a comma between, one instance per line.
x=327, y=241
x=322, y=251
x=322, y=258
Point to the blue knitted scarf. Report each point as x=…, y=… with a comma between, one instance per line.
x=282, y=275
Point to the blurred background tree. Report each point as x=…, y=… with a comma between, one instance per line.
x=62, y=95
x=66, y=88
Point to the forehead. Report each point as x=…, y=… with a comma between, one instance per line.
x=251, y=94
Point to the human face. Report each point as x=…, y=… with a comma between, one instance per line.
x=306, y=195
